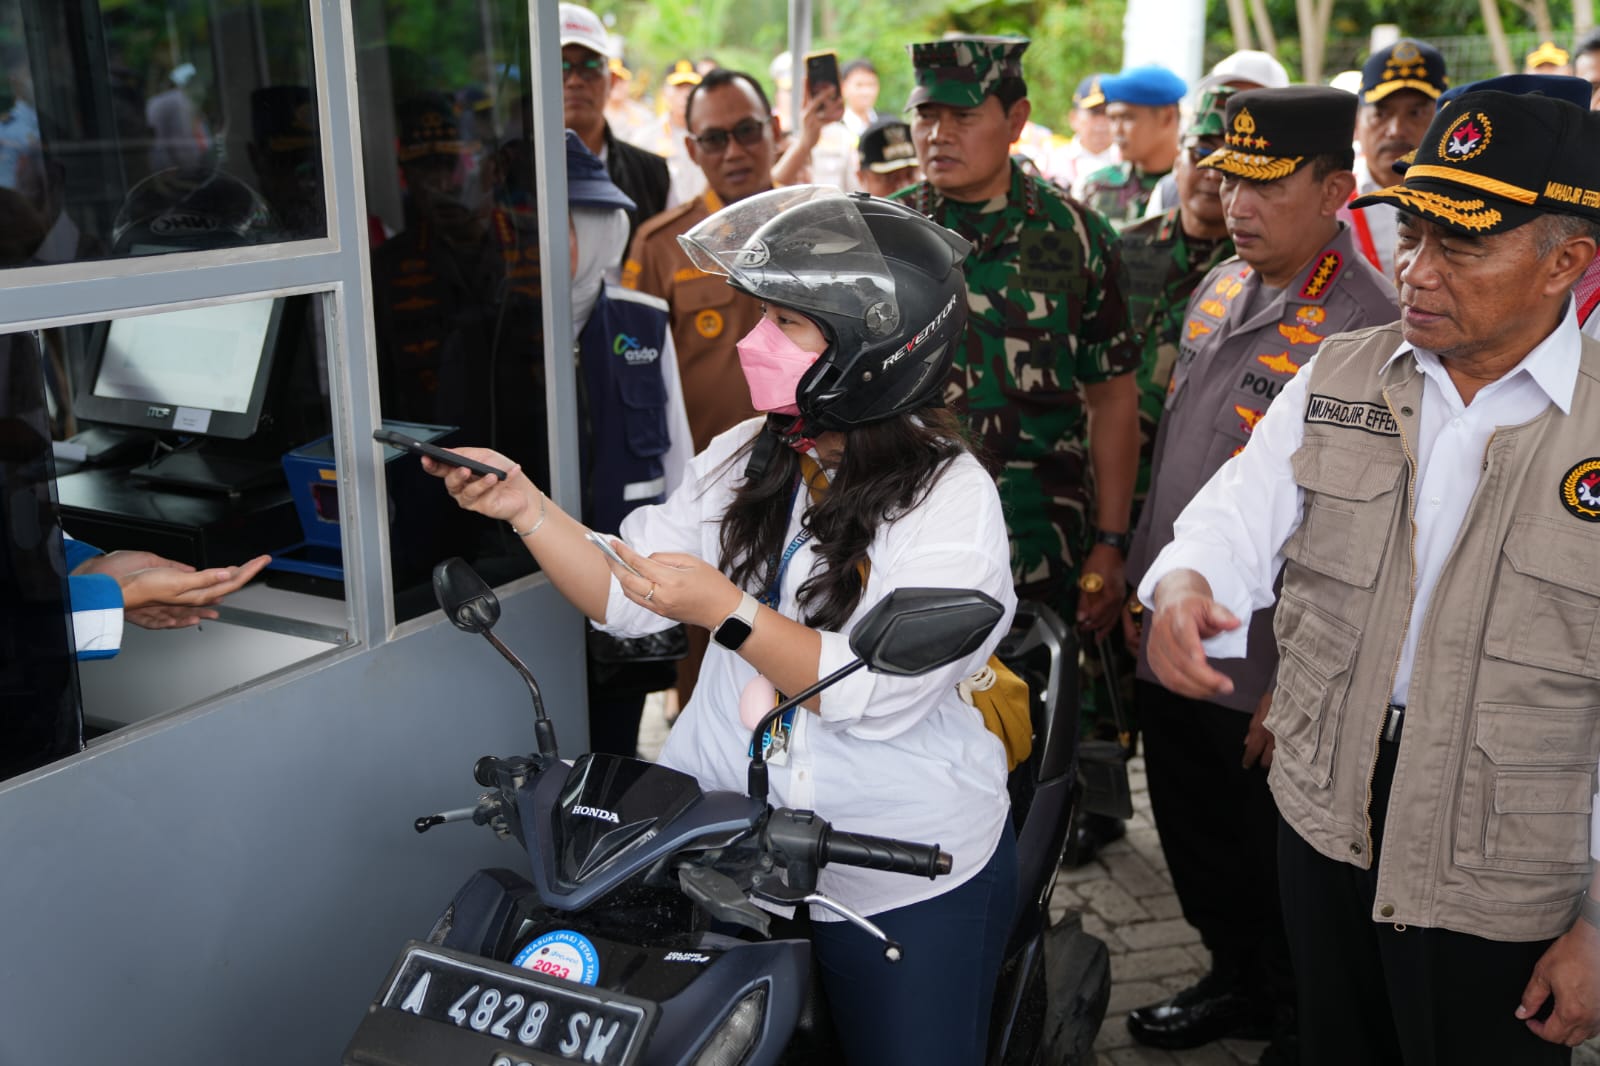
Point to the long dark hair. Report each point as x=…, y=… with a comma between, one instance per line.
x=887, y=469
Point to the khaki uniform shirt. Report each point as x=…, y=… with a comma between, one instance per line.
x=708, y=318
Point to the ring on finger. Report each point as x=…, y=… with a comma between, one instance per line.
x=651, y=593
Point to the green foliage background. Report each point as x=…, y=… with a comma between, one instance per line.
x=1069, y=39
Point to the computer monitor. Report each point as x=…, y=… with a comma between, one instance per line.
x=199, y=372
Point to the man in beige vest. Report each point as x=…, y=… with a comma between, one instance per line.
x=1431, y=490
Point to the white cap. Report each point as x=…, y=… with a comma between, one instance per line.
x=781, y=68
x=1249, y=65
x=1348, y=80
x=583, y=27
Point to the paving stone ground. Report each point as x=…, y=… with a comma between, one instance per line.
x=1127, y=900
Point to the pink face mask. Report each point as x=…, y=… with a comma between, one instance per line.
x=773, y=366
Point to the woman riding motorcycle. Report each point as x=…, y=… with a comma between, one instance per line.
x=784, y=532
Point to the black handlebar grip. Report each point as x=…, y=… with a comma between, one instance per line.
x=882, y=853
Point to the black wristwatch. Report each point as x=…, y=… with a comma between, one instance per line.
x=1120, y=541
x=735, y=629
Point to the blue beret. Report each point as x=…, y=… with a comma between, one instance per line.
x=1152, y=86
x=588, y=183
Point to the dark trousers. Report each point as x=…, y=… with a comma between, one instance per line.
x=1218, y=829
x=1377, y=994
x=933, y=1005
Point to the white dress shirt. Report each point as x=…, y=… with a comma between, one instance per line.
x=891, y=756
x=1234, y=530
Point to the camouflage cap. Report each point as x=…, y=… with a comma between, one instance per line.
x=961, y=71
x=1210, y=112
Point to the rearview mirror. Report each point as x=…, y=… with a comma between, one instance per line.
x=914, y=630
x=466, y=598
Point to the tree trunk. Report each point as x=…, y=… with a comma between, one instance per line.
x=1268, y=40
x=1239, y=21
x=1313, y=16
x=1539, y=12
x=1496, y=32
x=1582, y=17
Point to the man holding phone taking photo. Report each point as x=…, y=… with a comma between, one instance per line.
x=823, y=151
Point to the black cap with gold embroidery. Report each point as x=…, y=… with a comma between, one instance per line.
x=1492, y=161
x=1406, y=64
x=1268, y=133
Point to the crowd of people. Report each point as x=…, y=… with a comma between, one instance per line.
x=1280, y=392
x=1293, y=553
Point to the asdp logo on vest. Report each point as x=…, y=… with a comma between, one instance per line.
x=632, y=351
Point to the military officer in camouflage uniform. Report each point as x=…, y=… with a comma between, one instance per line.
x=1164, y=258
x=1250, y=325
x=1142, y=104
x=1045, y=373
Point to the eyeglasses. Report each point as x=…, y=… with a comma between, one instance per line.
x=588, y=69
x=748, y=132
x=1199, y=150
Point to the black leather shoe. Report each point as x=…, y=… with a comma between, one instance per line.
x=1091, y=832
x=1207, y=1011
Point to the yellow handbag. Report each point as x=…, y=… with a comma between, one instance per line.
x=1002, y=698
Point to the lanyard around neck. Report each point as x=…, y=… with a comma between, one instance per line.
x=817, y=482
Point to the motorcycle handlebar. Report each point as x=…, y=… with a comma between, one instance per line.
x=883, y=853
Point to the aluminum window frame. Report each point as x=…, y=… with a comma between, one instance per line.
x=339, y=266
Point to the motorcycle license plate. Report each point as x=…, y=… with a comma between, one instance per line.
x=549, y=1021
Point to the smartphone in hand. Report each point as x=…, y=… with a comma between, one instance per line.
x=822, y=68
x=603, y=542
x=432, y=451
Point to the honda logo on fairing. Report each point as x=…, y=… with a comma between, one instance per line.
x=596, y=812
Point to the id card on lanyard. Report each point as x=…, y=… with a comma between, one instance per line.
x=775, y=740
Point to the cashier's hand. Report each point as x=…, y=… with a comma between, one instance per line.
x=485, y=494
x=1184, y=615
x=161, y=593
x=681, y=587
x=1569, y=972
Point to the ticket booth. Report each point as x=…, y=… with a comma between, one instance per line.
x=237, y=236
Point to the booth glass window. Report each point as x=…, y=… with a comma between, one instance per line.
x=131, y=129
x=447, y=132
x=200, y=435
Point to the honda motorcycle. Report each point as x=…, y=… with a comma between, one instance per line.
x=633, y=937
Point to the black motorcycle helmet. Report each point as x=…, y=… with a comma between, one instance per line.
x=191, y=209
x=883, y=282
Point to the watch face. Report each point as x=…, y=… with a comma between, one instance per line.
x=732, y=633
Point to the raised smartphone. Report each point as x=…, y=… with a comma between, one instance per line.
x=432, y=451
x=822, y=68
x=603, y=542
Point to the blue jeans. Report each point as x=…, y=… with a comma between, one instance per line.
x=933, y=1005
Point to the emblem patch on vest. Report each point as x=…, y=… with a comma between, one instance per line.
x=1322, y=277
x=1371, y=418
x=1580, y=490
